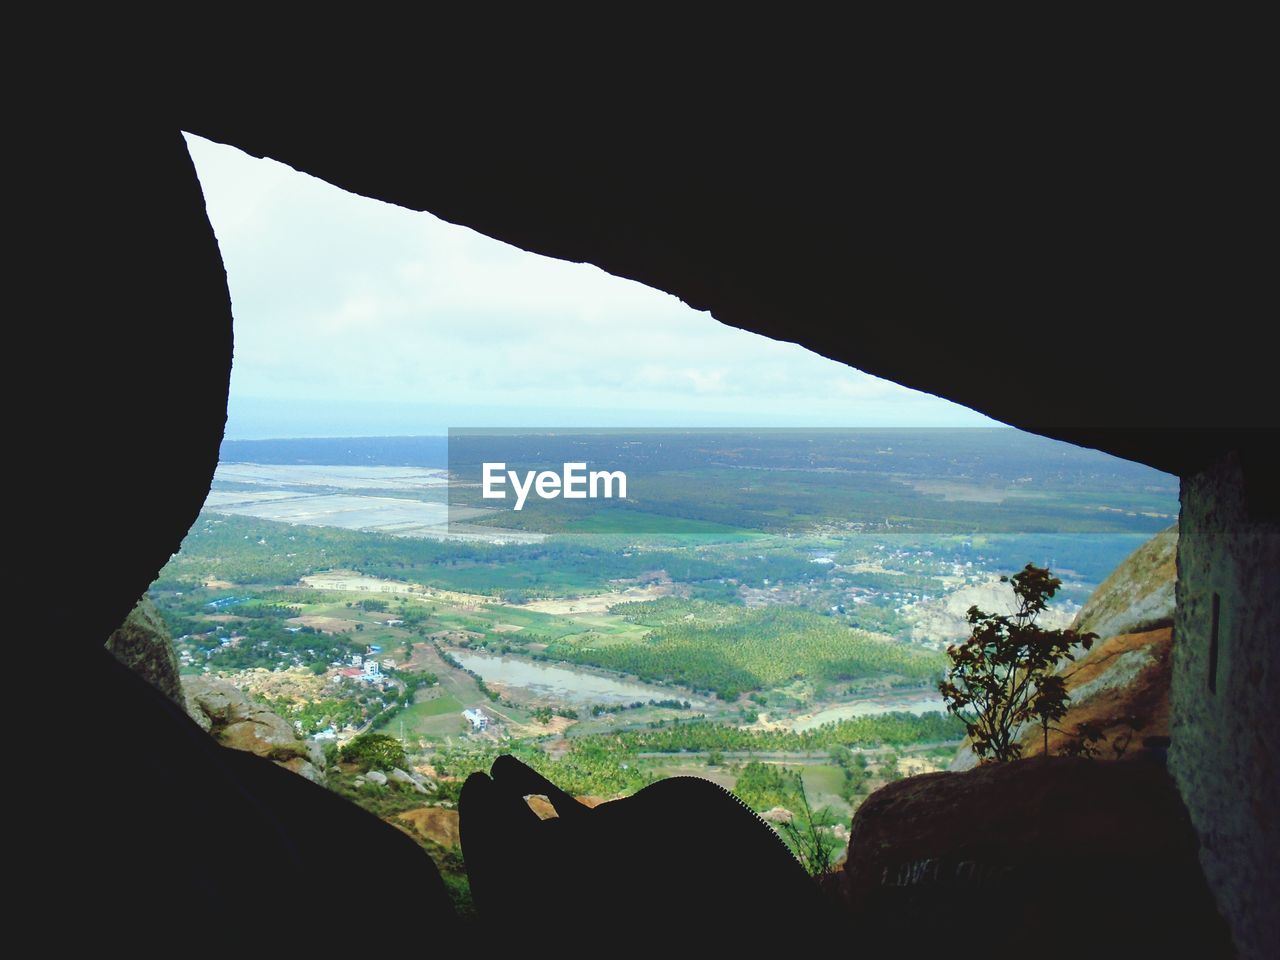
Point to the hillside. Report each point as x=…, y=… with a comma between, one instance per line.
x=1121, y=685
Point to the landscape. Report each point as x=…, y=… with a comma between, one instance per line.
x=766, y=609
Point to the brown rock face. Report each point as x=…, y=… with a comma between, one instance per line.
x=1138, y=596
x=437, y=824
x=1072, y=855
x=1121, y=685
x=543, y=808
x=237, y=722
x=1122, y=688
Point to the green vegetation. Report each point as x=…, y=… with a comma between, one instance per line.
x=730, y=650
x=317, y=715
x=808, y=834
x=885, y=728
x=244, y=550
x=1003, y=676
x=374, y=751
x=783, y=574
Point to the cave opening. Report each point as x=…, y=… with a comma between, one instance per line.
x=1077, y=226
x=319, y=589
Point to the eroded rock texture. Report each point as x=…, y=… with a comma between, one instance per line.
x=241, y=724
x=1224, y=753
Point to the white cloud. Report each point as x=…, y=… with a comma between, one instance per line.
x=344, y=304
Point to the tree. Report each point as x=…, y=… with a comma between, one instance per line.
x=375, y=751
x=1002, y=677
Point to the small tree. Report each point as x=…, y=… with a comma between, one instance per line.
x=1002, y=676
x=806, y=836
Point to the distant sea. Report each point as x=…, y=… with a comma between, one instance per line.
x=342, y=451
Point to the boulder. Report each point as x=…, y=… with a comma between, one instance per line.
x=237, y=722
x=399, y=776
x=265, y=734
x=437, y=824
x=303, y=768
x=212, y=698
x=195, y=711
x=1024, y=853
x=315, y=754
x=778, y=815
x=540, y=805
x=376, y=776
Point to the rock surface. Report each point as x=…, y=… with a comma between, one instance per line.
x=437, y=824
x=1121, y=685
x=1139, y=595
x=416, y=782
x=241, y=724
x=143, y=644
x=543, y=808
x=1026, y=851
x=1122, y=688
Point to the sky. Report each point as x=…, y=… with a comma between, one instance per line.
x=355, y=317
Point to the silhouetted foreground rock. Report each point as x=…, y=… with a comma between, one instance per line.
x=680, y=866
x=189, y=841
x=1056, y=857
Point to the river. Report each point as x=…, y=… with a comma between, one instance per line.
x=562, y=683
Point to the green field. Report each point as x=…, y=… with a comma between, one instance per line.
x=731, y=650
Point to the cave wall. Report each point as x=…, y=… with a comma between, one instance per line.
x=1223, y=754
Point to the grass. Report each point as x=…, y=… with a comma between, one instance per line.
x=434, y=707
x=822, y=779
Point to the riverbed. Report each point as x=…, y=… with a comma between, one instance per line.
x=563, y=683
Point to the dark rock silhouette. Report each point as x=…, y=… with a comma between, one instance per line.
x=682, y=851
x=1070, y=855
x=182, y=840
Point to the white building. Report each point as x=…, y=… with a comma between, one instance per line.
x=476, y=718
x=372, y=671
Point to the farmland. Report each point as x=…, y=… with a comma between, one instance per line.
x=762, y=609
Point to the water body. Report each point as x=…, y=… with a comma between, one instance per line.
x=919, y=703
x=563, y=683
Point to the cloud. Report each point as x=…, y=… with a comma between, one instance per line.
x=345, y=304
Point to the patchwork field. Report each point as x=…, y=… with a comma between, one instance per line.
x=396, y=501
